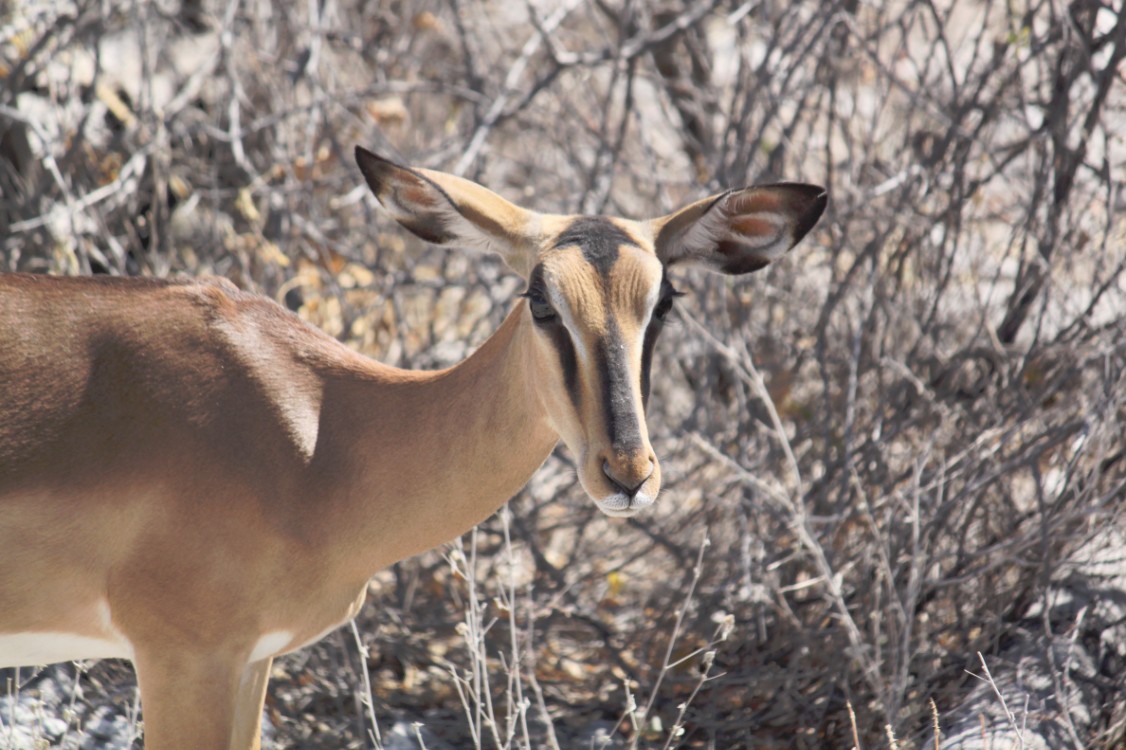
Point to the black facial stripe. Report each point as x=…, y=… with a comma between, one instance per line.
x=647, y=358
x=612, y=362
x=598, y=238
x=651, y=332
x=560, y=339
x=568, y=364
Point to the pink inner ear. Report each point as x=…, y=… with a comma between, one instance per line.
x=417, y=194
x=756, y=201
x=750, y=226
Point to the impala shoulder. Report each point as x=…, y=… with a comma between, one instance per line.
x=275, y=352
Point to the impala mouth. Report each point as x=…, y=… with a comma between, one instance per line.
x=621, y=505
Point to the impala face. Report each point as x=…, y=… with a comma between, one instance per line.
x=597, y=296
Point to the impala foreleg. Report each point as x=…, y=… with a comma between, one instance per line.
x=193, y=701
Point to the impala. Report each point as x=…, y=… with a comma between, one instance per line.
x=194, y=479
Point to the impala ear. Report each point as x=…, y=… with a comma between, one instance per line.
x=740, y=231
x=449, y=210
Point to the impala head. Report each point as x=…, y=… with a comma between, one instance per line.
x=598, y=294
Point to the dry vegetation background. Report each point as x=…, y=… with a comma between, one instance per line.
x=895, y=468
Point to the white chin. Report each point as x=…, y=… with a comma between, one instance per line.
x=623, y=506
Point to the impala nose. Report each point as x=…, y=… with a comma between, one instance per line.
x=628, y=472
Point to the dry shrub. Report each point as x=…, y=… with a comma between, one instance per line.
x=899, y=441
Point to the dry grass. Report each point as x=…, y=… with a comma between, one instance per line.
x=903, y=444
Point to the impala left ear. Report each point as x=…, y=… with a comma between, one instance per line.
x=740, y=231
x=449, y=210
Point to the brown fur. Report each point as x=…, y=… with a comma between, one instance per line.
x=214, y=469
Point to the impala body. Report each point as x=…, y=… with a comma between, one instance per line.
x=194, y=479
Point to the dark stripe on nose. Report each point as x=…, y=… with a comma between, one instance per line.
x=622, y=424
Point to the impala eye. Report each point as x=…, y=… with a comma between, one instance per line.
x=665, y=303
x=542, y=311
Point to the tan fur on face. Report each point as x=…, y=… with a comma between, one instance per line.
x=606, y=308
x=577, y=290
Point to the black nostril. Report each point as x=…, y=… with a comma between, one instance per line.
x=609, y=474
x=618, y=484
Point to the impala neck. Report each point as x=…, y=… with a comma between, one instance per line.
x=427, y=455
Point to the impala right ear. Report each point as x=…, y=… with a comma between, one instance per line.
x=449, y=210
x=740, y=231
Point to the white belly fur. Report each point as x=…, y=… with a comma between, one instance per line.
x=33, y=648
x=30, y=649
x=47, y=647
